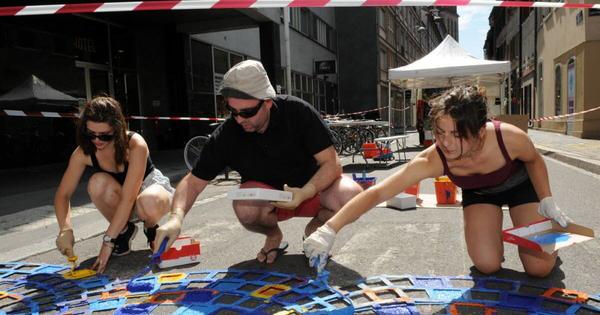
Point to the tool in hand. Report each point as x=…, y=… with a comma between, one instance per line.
x=73, y=261
x=132, y=285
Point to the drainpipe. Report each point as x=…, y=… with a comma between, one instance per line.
x=535, y=59
x=519, y=79
x=286, y=42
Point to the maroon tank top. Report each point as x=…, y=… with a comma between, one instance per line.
x=491, y=179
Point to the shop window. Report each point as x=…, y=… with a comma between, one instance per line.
x=221, y=58
x=202, y=79
x=235, y=59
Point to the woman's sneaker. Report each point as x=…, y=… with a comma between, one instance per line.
x=123, y=241
x=151, y=235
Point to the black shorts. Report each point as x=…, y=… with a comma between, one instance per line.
x=518, y=195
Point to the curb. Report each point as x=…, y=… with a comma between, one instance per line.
x=585, y=164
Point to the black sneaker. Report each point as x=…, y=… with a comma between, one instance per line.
x=123, y=241
x=151, y=235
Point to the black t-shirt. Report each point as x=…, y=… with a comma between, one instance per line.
x=283, y=154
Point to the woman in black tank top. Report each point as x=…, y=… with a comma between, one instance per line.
x=124, y=180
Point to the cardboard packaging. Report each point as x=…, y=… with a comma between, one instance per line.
x=185, y=250
x=259, y=194
x=403, y=201
x=547, y=235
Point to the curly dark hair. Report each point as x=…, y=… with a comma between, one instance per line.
x=103, y=109
x=465, y=105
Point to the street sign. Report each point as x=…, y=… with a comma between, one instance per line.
x=325, y=67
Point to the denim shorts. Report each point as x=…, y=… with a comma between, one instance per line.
x=156, y=177
x=518, y=195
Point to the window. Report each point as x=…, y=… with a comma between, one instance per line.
x=307, y=23
x=297, y=84
x=320, y=100
x=221, y=58
x=383, y=65
x=557, y=90
x=321, y=33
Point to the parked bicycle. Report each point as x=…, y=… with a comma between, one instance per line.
x=193, y=149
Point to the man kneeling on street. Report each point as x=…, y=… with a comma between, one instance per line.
x=277, y=142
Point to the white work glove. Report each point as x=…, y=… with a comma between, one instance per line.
x=318, y=245
x=65, y=242
x=548, y=209
x=170, y=229
x=299, y=195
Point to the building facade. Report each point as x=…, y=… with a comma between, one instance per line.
x=554, y=61
x=373, y=40
x=156, y=63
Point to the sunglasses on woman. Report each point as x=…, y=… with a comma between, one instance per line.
x=104, y=137
x=247, y=112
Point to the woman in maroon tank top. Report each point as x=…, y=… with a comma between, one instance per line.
x=495, y=164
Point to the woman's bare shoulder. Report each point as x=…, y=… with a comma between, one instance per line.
x=79, y=157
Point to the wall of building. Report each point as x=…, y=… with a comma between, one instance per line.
x=358, y=58
x=558, y=39
x=244, y=41
x=162, y=85
x=304, y=52
x=591, y=92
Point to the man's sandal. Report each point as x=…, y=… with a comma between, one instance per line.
x=278, y=250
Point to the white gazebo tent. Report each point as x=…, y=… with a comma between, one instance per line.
x=445, y=66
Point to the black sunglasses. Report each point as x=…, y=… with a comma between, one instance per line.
x=247, y=112
x=91, y=136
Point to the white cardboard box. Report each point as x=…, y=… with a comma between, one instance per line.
x=546, y=235
x=403, y=201
x=259, y=194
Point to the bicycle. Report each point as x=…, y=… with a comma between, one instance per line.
x=193, y=149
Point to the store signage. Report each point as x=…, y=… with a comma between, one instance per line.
x=84, y=44
x=325, y=67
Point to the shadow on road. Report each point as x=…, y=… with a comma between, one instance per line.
x=554, y=280
x=298, y=265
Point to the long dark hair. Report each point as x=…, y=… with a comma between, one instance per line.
x=103, y=109
x=465, y=105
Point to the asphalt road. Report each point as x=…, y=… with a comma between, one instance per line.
x=384, y=241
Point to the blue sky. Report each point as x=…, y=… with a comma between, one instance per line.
x=472, y=27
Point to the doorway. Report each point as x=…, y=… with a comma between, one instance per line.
x=97, y=79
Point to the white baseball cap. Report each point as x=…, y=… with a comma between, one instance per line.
x=247, y=80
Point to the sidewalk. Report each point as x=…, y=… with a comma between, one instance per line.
x=581, y=153
x=27, y=212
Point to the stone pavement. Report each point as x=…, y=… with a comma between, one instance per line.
x=26, y=202
x=581, y=153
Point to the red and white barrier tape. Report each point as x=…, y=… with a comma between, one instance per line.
x=152, y=5
x=174, y=118
x=20, y=113
x=401, y=109
x=355, y=113
x=564, y=116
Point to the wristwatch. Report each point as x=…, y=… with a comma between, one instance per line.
x=107, y=239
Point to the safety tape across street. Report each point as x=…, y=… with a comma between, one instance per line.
x=156, y=5
x=355, y=113
x=20, y=113
x=564, y=116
